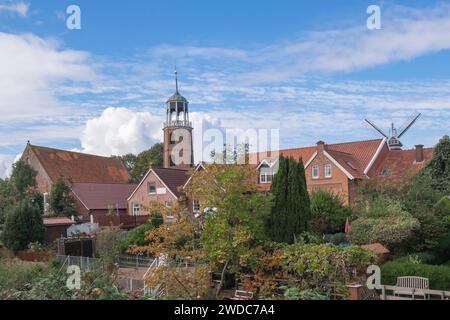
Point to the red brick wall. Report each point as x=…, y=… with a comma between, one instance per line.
x=44, y=183
x=143, y=198
x=337, y=184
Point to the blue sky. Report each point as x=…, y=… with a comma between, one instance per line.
x=310, y=69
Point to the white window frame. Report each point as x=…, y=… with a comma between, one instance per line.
x=325, y=169
x=313, y=169
x=136, y=209
x=265, y=177
x=148, y=188
x=195, y=203
x=168, y=204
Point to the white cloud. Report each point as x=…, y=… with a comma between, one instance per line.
x=31, y=68
x=118, y=131
x=19, y=8
x=6, y=162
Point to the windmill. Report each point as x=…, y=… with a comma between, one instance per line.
x=394, y=135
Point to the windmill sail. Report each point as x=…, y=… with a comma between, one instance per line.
x=376, y=128
x=409, y=124
x=393, y=139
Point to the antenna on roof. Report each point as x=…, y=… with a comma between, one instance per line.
x=393, y=137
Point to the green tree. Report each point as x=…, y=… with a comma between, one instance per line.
x=139, y=165
x=237, y=223
x=439, y=167
x=61, y=200
x=23, y=178
x=6, y=200
x=291, y=210
x=328, y=213
x=23, y=225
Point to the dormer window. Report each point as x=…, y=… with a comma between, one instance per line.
x=315, y=171
x=327, y=170
x=265, y=177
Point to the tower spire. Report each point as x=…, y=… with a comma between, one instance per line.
x=176, y=79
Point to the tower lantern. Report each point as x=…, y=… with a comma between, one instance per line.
x=178, y=145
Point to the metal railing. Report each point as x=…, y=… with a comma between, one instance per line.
x=85, y=263
x=134, y=261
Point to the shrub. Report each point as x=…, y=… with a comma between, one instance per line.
x=439, y=276
x=328, y=213
x=391, y=231
x=136, y=237
x=23, y=225
x=442, y=250
x=318, y=265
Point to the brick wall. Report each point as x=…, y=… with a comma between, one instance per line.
x=143, y=198
x=337, y=184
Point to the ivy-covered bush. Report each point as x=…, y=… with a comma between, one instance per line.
x=439, y=276
x=318, y=265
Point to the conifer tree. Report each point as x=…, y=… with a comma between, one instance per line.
x=291, y=208
x=23, y=226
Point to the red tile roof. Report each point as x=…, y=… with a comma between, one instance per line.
x=349, y=162
x=80, y=167
x=358, y=153
x=377, y=248
x=57, y=222
x=98, y=196
x=174, y=179
x=400, y=165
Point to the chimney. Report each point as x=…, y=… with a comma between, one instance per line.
x=419, y=153
x=321, y=146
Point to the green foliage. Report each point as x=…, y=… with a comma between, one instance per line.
x=442, y=209
x=439, y=167
x=318, y=265
x=62, y=203
x=439, y=276
x=139, y=165
x=384, y=221
x=393, y=231
x=17, y=275
x=328, y=213
x=23, y=225
x=23, y=178
x=291, y=209
x=6, y=200
x=442, y=249
x=136, y=237
x=32, y=281
x=297, y=294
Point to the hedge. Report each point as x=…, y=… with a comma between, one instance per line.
x=439, y=276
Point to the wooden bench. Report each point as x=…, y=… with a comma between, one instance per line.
x=242, y=295
x=412, y=286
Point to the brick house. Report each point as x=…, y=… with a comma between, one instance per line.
x=97, y=183
x=159, y=185
x=339, y=167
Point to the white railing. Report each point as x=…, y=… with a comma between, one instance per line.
x=178, y=123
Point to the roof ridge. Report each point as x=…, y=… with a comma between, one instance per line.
x=75, y=152
x=332, y=144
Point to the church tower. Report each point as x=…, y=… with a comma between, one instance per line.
x=178, y=144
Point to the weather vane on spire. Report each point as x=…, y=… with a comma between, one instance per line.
x=176, y=78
